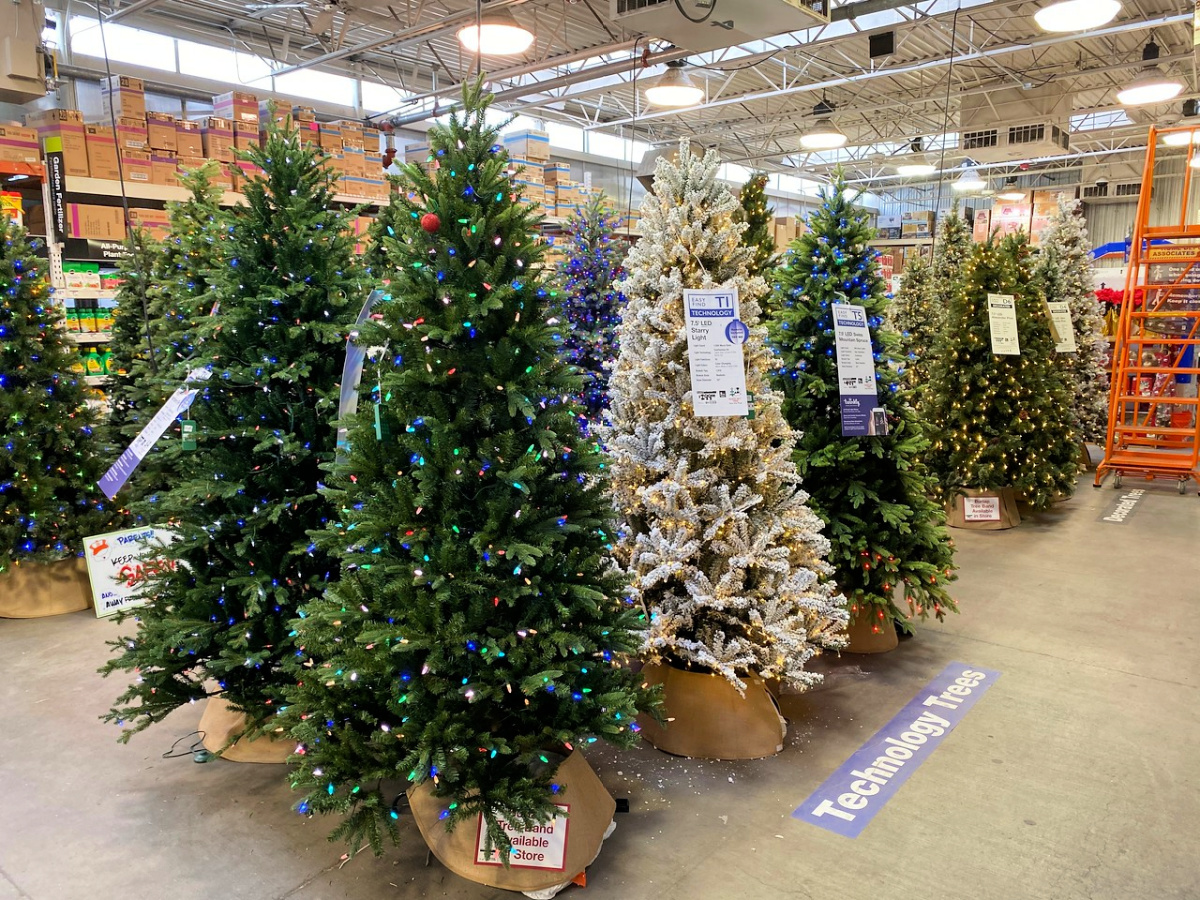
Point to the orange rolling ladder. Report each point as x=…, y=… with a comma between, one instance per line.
x=1153, y=426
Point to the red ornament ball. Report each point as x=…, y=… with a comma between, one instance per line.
x=430, y=222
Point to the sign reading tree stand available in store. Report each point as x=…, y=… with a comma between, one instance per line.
x=540, y=847
x=1002, y=313
x=861, y=413
x=981, y=509
x=119, y=563
x=715, y=336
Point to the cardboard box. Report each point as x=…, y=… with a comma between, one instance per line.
x=132, y=134
x=136, y=166
x=61, y=131
x=156, y=222
x=164, y=169
x=217, y=138
x=123, y=96
x=161, y=132
x=188, y=139
x=530, y=190
x=244, y=172
x=237, y=106
x=528, y=144
x=245, y=135
x=354, y=163
x=526, y=169
x=102, y=223
x=889, y=227
x=19, y=144
x=269, y=110
x=186, y=164
x=331, y=137
x=372, y=165
x=371, y=139
x=555, y=172
x=102, y=152
x=303, y=115
x=223, y=177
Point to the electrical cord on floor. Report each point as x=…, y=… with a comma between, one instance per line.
x=196, y=751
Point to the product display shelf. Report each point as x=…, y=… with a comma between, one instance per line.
x=903, y=242
x=84, y=294
x=99, y=187
x=96, y=380
x=90, y=337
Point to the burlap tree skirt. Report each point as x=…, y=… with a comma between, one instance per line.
x=32, y=590
x=220, y=725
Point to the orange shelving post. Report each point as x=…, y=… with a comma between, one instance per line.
x=1153, y=426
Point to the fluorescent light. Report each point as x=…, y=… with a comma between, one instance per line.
x=1178, y=138
x=674, y=88
x=969, y=181
x=1195, y=161
x=823, y=135
x=496, y=34
x=1153, y=85
x=1011, y=196
x=1076, y=15
x=915, y=170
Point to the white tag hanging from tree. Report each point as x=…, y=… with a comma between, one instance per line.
x=1062, y=327
x=715, y=336
x=1002, y=316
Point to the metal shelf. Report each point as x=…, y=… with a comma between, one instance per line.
x=96, y=380
x=90, y=337
x=100, y=187
x=84, y=294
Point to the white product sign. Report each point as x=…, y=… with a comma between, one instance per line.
x=981, y=509
x=541, y=847
x=1002, y=312
x=861, y=415
x=1064, y=328
x=119, y=563
x=715, y=336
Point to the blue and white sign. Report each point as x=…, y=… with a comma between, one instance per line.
x=853, y=795
x=861, y=413
x=715, y=336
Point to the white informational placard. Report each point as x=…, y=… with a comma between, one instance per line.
x=542, y=847
x=1063, y=327
x=119, y=563
x=861, y=414
x=981, y=509
x=1002, y=313
x=715, y=336
x=897, y=282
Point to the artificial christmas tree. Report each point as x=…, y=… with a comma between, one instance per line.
x=951, y=249
x=872, y=492
x=757, y=215
x=1003, y=421
x=217, y=624
x=49, y=500
x=472, y=642
x=913, y=320
x=589, y=301
x=727, y=562
x=1065, y=265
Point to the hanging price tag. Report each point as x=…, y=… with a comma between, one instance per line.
x=188, y=433
x=1002, y=316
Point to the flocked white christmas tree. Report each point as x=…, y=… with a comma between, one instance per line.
x=724, y=556
x=1066, y=266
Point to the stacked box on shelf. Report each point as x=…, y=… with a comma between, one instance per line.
x=917, y=224
x=161, y=133
x=352, y=135
x=81, y=276
x=189, y=142
x=19, y=144
x=371, y=139
x=554, y=172
x=528, y=144
x=132, y=134
x=786, y=230
x=164, y=169
x=331, y=137
x=102, y=154
x=245, y=135
x=137, y=166
x=243, y=172
x=890, y=228
x=123, y=96
x=237, y=106
x=62, y=131
x=155, y=222
x=217, y=138
x=567, y=197
x=354, y=162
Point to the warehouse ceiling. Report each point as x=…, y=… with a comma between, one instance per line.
x=586, y=70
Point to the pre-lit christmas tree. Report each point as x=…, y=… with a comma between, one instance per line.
x=48, y=469
x=590, y=300
x=244, y=506
x=1002, y=421
x=873, y=493
x=165, y=295
x=477, y=627
x=758, y=235
x=912, y=317
x=727, y=561
x=1066, y=268
x=951, y=249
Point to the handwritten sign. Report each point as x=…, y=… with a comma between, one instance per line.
x=119, y=563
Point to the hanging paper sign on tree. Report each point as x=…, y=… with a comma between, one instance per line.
x=856, y=373
x=1062, y=327
x=1002, y=316
x=715, y=336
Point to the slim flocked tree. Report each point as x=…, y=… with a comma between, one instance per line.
x=873, y=493
x=590, y=300
x=244, y=505
x=1066, y=267
x=49, y=500
x=758, y=235
x=1001, y=420
x=477, y=627
x=726, y=559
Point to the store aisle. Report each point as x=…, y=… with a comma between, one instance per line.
x=1072, y=777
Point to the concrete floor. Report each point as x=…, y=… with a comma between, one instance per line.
x=1075, y=776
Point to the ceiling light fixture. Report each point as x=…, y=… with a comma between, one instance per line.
x=674, y=88
x=1153, y=85
x=1076, y=15
x=970, y=181
x=1011, y=192
x=496, y=33
x=1178, y=138
x=823, y=134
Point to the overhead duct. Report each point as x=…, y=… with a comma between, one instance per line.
x=1015, y=123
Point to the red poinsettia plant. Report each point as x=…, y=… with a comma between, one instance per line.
x=1113, y=298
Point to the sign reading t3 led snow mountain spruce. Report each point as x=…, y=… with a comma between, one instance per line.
x=856, y=373
x=855, y=793
x=715, y=337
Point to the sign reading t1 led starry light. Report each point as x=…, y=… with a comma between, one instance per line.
x=715, y=336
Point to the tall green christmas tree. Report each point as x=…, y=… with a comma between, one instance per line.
x=243, y=508
x=758, y=235
x=154, y=346
x=951, y=250
x=1002, y=420
x=475, y=634
x=1065, y=264
x=872, y=492
x=590, y=300
x=915, y=324
x=49, y=500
